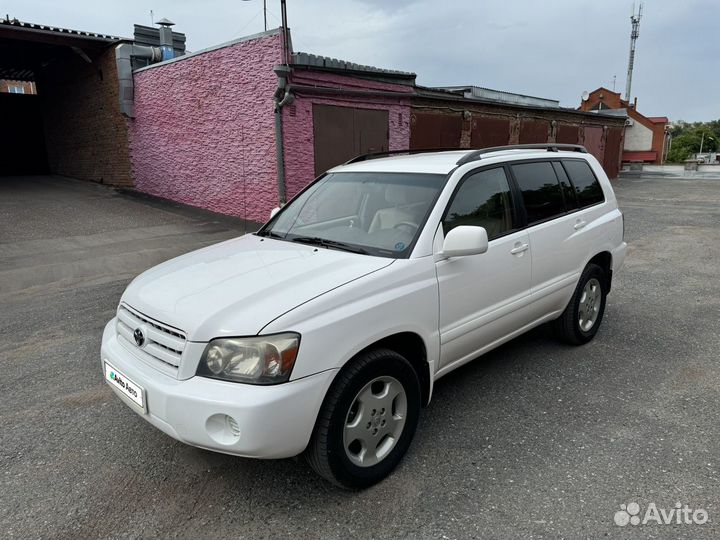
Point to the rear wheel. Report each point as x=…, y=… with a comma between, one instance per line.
x=582, y=317
x=367, y=420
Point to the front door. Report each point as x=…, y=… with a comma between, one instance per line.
x=485, y=297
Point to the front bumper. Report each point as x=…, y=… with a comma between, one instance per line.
x=274, y=421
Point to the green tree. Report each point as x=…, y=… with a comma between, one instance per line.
x=687, y=136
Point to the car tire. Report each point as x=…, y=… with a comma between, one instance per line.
x=582, y=317
x=367, y=420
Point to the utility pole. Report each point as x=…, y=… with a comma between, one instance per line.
x=702, y=141
x=635, y=32
x=286, y=33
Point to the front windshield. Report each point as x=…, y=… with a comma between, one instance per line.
x=366, y=212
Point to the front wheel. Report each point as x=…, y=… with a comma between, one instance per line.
x=367, y=420
x=582, y=317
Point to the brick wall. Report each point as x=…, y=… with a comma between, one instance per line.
x=204, y=128
x=490, y=125
x=645, y=135
x=85, y=134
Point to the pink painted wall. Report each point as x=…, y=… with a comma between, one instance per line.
x=298, y=120
x=204, y=129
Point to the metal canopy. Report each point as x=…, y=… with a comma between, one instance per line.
x=26, y=47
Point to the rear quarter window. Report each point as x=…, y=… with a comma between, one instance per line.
x=541, y=192
x=587, y=187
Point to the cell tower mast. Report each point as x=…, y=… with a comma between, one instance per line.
x=635, y=21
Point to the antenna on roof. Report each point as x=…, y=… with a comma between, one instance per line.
x=634, y=33
x=152, y=18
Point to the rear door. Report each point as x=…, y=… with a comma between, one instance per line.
x=550, y=228
x=558, y=230
x=589, y=212
x=483, y=297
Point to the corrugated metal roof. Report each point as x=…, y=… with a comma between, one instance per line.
x=439, y=94
x=25, y=45
x=7, y=21
x=501, y=96
x=302, y=59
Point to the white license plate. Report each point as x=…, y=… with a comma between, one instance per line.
x=132, y=391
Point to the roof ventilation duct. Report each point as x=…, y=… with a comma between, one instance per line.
x=124, y=53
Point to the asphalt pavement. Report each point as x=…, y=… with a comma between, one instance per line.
x=534, y=440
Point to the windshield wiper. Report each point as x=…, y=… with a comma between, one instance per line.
x=324, y=242
x=271, y=234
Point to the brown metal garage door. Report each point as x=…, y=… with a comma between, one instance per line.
x=567, y=134
x=428, y=130
x=490, y=132
x=342, y=133
x=534, y=131
x=592, y=140
x=612, y=152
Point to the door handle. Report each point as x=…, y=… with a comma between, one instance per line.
x=519, y=248
x=579, y=224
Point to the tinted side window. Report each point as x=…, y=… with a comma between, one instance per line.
x=541, y=191
x=587, y=187
x=482, y=200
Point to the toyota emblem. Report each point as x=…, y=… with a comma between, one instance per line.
x=139, y=337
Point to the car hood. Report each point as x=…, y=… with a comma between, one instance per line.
x=237, y=287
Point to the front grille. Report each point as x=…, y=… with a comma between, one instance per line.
x=162, y=343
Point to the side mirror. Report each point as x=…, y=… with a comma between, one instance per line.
x=274, y=211
x=465, y=240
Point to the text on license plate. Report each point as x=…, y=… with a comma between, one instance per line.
x=125, y=385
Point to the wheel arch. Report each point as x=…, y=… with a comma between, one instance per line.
x=412, y=347
x=604, y=261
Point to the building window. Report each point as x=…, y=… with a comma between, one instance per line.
x=16, y=89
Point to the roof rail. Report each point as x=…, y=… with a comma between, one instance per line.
x=550, y=147
x=386, y=153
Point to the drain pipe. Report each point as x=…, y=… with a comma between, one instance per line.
x=281, y=98
x=123, y=59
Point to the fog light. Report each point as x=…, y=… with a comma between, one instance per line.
x=233, y=425
x=223, y=429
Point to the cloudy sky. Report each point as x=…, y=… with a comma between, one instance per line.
x=553, y=49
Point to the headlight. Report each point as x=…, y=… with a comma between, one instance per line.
x=254, y=360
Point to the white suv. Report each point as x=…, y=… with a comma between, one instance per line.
x=324, y=332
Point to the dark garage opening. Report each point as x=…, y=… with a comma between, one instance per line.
x=72, y=126
x=22, y=137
